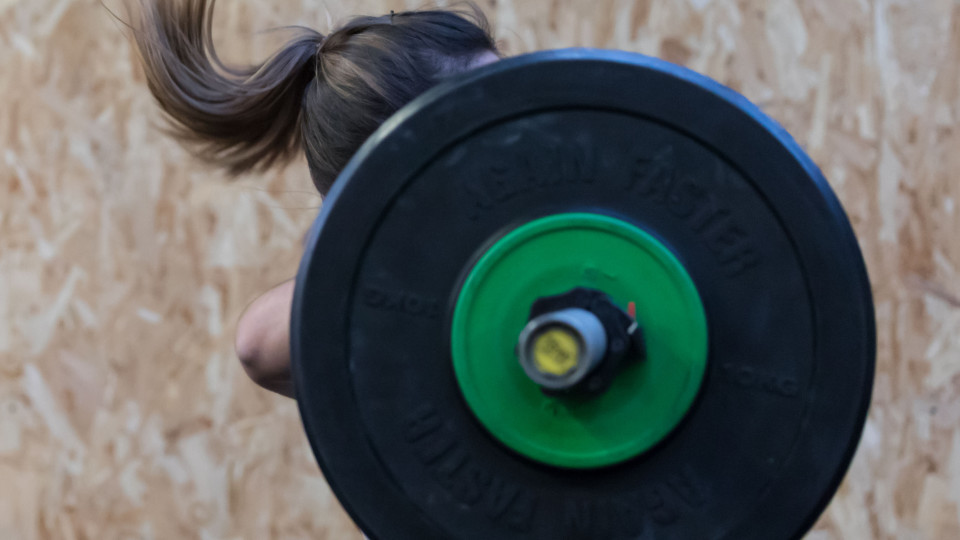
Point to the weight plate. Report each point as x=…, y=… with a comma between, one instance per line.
x=767, y=245
x=556, y=254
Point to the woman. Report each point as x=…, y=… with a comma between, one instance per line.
x=322, y=94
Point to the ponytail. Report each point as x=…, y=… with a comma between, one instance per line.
x=249, y=118
x=241, y=118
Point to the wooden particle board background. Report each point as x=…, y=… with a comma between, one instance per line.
x=124, y=262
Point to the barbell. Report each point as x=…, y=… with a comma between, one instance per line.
x=579, y=295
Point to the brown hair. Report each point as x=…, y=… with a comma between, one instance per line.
x=324, y=94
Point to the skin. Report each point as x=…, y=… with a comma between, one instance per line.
x=263, y=339
x=263, y=331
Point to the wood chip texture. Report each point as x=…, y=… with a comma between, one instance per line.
x=124, y=262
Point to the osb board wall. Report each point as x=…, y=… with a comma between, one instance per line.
x=124, y=263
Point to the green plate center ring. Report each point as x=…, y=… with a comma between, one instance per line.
x=552, y=255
